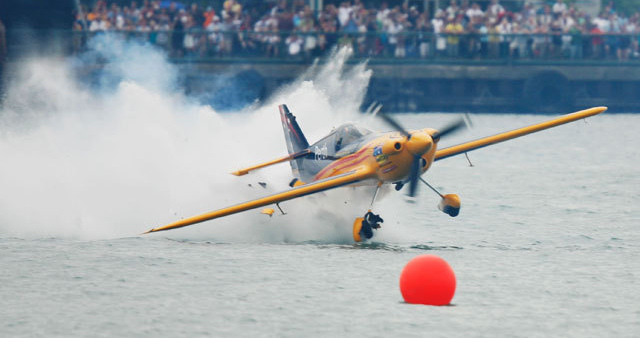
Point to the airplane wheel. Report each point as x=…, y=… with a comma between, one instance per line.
x=450, y=205
x=363, y=230
x=357, y=226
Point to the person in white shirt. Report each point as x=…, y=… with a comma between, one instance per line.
x=452, y=10
x=474, y=11
x=438, y=26
x=295, y=44
x=344, y=12
x=495, y=9
x=559, y=7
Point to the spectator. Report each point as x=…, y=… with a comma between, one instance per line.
x=351, y=26
x=438, y=28
x=576, y=42
x=177, y=37
x=401, y=31
x=454, y=29
x=495, y=9
x=294, y=43
x=425, y=30
x=545, y=18
x=208, y=15
x=162, y=28
x=556, y=37
x=273, y=40
x=100, y=23
x=474, y=12
x=191, y=36
x=361, y=41
x=518, y=44
x=394, y=28
x=245, y=44
x=226, y=41
x=528, y=11
x=493, y=38
x=452, y=10
x=559, y=8
x=483, y=30
x=597, y=43
x=505, y=29
x=310, y=39
x=344, y=13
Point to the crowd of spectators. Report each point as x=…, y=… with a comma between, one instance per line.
x=461, y=29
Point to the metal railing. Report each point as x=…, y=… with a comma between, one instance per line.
x=203, y=45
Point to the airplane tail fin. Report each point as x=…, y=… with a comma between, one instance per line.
x=296, y=142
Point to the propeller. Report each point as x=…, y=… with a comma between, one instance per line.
x=414, y=175
x=397, y=126
x=452, y=127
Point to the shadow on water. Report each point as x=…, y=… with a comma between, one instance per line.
x=435, y=247
x=332, y=245
x=376, y=246
x=197, y=242
x=435, y=306
x=392, y=247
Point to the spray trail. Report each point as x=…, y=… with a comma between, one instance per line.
x=131, y=152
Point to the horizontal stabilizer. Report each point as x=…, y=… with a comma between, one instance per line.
x=276, y=161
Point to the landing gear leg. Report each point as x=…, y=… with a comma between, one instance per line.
x=363, y=226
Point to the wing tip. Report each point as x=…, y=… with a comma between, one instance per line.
x=600, y=109
x=593, y=110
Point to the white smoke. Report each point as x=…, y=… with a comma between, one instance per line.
x=115, y=159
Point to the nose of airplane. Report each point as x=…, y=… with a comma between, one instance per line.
x=419, y=143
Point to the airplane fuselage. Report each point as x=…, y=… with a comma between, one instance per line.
x=387, y=155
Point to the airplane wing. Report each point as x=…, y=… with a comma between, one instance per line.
x=351, y=177
x=487, y=141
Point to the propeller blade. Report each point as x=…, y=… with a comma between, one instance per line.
x=390, y=121
x=453, y=127
x=414, y=176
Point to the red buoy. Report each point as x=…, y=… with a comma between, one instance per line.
x=429, y=280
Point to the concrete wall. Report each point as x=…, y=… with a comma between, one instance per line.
x=498, y=87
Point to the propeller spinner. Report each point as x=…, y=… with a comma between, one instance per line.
x=419, y=143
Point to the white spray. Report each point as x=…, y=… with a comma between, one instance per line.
x=82, y=162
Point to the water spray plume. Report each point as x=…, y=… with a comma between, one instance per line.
x=131, y=151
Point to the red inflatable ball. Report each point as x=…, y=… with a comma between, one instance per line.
x=429, y=280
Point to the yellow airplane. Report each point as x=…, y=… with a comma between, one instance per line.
x=352, y=155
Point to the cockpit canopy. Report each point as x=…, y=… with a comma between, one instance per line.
x=343, y=140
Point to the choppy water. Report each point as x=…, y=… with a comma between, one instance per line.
x=547, y=242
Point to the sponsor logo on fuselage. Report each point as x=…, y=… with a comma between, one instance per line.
x=381, y=159
x=377, y=151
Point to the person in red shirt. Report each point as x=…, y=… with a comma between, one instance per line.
x=596, y=42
